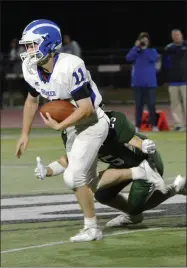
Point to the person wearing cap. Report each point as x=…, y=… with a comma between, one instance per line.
x=143, y=78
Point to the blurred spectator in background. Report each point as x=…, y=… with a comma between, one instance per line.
x=143, y=78
x=14, y=56
x=71, y=46
x=1, y=79
x=174, y=67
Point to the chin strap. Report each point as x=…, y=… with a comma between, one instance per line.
x=44, y=60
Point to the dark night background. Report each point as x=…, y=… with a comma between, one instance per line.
x=97, y=24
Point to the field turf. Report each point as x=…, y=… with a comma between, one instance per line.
x=38, y=217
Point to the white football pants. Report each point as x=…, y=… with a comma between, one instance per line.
x=82, y=148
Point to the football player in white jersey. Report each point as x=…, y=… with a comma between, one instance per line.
x=55, y=75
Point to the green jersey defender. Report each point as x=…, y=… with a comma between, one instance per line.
x=116, y=152
x=120, y=156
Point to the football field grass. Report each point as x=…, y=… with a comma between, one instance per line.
x=35, y=232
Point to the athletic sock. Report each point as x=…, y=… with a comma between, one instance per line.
x=90, y=222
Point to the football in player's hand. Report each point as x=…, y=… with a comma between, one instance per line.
x=58, y=109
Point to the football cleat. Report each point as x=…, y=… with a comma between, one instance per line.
x=125, y=219
x=87, y=234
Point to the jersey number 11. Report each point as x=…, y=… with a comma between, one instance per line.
x=79, y=77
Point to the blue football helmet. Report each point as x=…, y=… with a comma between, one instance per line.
x=44, y=37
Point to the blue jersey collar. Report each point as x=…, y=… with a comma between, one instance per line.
x=41, y=72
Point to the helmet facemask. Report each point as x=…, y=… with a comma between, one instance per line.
x=35, y=56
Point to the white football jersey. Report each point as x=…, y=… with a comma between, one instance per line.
x=68, y=76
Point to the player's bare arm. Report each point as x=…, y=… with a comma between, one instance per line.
x=29, y=111
x=146, y=146
x=136, y=142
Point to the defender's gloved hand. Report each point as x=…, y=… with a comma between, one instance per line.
x=40, y=171
x=148, y=147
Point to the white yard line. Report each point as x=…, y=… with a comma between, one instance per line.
x=64, y=198
x=67, y=241
x=43, y=190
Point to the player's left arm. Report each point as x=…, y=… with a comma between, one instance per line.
x=136, y=142
x=80, y=91
x=146, y=146
x=127, y=134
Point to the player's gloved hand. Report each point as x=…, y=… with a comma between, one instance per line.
x=148, y=147
x=40, y=171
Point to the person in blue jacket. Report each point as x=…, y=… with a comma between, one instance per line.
x=144, y=80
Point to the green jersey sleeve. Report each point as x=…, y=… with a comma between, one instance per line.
x=124, y=129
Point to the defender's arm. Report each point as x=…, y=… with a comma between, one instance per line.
x=146, y=146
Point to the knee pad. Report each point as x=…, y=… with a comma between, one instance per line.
x=68, y=179
x=73, y=180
